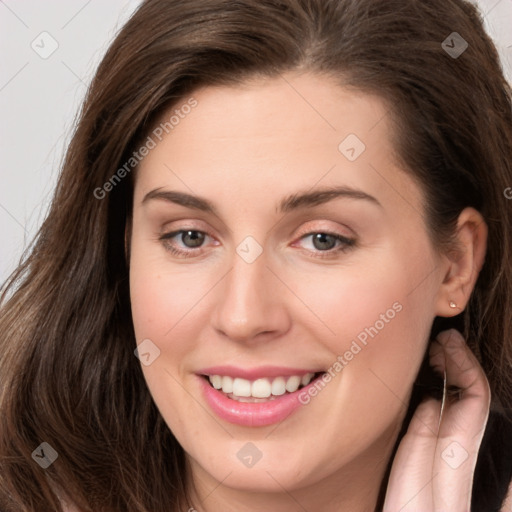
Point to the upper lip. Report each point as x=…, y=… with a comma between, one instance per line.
x=258, y=372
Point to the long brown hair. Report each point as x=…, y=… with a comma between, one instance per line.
x=68, y=373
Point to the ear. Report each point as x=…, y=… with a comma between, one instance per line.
x=463, y=263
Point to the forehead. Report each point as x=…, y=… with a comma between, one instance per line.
x=287, y=104
x=265, y=134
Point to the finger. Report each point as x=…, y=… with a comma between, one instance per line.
x=410, y=482
x=468, y=414
x=463, y=368
x=462, y=424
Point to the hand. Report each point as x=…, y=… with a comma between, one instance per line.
x=435, y=462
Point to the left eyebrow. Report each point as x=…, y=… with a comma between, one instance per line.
x=288, y=204
x=320, y=196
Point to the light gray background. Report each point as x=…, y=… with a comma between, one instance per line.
x=39, y=97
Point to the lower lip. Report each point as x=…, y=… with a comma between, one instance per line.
x=252, y=414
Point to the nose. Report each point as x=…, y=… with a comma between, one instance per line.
x=251, y=302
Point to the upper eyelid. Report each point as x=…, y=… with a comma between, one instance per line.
x=329, y=231
x=347, y=243
x=301, y=231
x=174, y=233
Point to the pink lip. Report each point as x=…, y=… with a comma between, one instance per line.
x=255, y=373
x=252, y=414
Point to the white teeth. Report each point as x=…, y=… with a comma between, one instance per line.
x=306, y=379
x=216, y=381
x=278, y=386
x=241, y=387
x=260, y=388
x=227, y=384
x=293, y=383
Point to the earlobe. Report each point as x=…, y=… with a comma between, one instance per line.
x=463, y=263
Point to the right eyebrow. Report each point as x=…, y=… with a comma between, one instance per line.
x=181, y=198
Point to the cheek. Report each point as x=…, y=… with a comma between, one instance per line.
x=169, y=307
x=163, y=296
x=163, y=311
x=377, y=316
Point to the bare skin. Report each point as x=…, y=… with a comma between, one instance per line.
x=245, y=149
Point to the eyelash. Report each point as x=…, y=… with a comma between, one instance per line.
x=347, y=244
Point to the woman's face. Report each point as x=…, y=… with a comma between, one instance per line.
x=301, y=251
